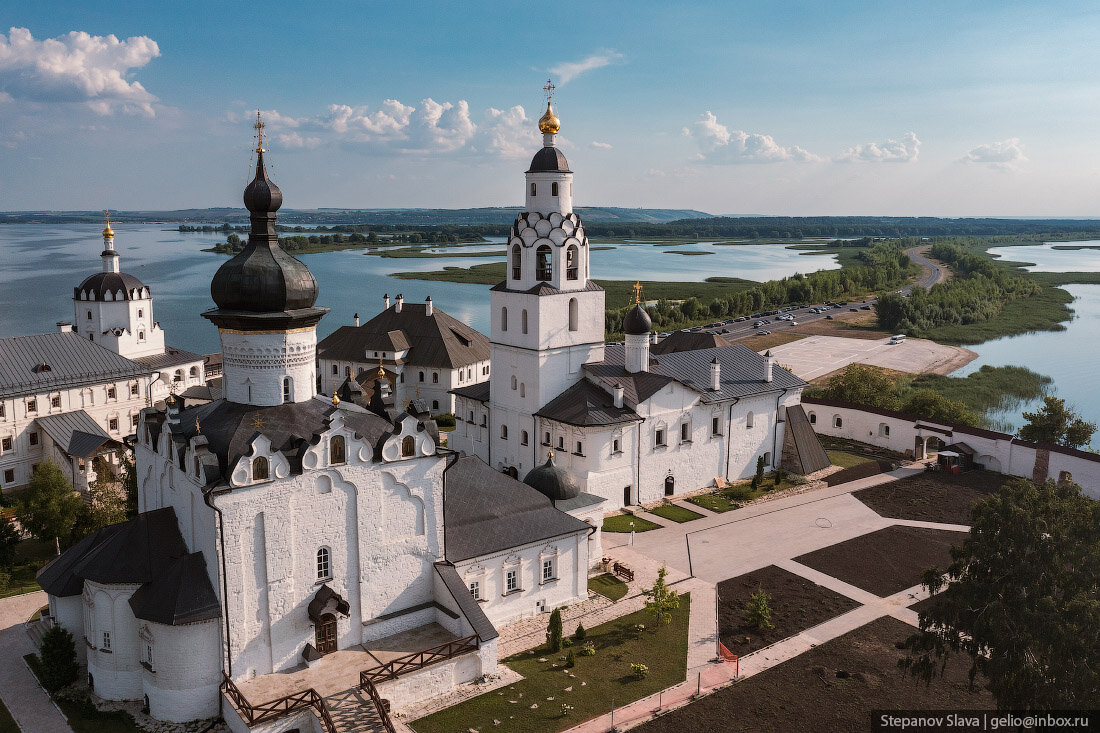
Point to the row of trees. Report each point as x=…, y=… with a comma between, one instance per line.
x=235, y=244
x=867, y=385
x=883, y=265
x=979, y=291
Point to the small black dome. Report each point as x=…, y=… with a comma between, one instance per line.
x=97, y=286
x=549, y=159
x=552, y=482
x=637, y=321
x=262, y=196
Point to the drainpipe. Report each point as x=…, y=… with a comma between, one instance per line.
x=638, y=453
x=454, y=455
x=729, y=437
x=149, y=390
x=208, y=498
x=775, y=430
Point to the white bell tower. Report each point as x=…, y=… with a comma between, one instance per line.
x=547, y=316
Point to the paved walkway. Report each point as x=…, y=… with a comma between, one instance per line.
x=26, y=701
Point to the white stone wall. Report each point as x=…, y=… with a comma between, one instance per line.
x=410, y=689
x=303, y=721
x=183, y=678
x=68, y=612
x=99, y=320
x=116, y=670
x=471, y=433
x=255, y=365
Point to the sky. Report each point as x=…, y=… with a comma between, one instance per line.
x=778, y=108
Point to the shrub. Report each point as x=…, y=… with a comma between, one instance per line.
x=639, y=670
x=759, y=477
x=444, y=420
x=758, y=612
x=571, y=659
x=553, y=631
x=580, y=633
x=58, y=659
x=588, y=650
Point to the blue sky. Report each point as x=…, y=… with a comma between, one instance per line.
x=923, y=108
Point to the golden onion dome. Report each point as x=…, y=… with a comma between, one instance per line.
x=108, y=233
x=549, y=122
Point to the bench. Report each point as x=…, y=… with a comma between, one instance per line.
x=623, y=572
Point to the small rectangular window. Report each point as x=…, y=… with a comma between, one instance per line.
x=685, y=433
x=33, y=437
x=615, y=446
x=106, y=641
x=133, y=420
x=111, y=392
x=55, y=401
x=2, y=410
x=715, y=426
x=112, y=424
x=9, y=476
x=660, y=440
x=547, y=570
x=511, y=581
x=133, y=390
x=7, y=442
x=475, y=589
x=580, y=448
x=32, y=406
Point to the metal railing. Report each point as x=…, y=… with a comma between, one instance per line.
x=394, y=668
x=280, y=707
x=381, y=707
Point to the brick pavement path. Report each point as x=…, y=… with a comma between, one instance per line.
x=26, y=701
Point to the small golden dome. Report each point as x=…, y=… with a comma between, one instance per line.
x=108, y=233
x=549, y=122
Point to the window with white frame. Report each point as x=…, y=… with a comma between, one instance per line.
x=659, y=437
x=548, y=570
x=716, y=425
x=475, y=589
x=749, y=420
x=838, y=421
x=615, y=446
x=149, y=655
x=685, y=432
x=106, y=646
x=324, y=564
x=511, y=581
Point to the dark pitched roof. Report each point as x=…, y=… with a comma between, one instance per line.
x=438, y=340
x=120, y=285
x=580, y=501
x=76, y=433
x=470, y=608
x=139, y=551
x=31, y=364
x=182, y=594
x=586, y=404
x=688, y=341
x=230, y=427
x=171, y=357
x=802, y=451
x=479, y=391
x=543, y=288
x=742, y=373
x=549, y=159
x=486, y=511
x=57, y=578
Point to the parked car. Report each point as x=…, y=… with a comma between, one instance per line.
x=762, y=332
x=758, y=324
x=865, y=307
x=829, y=318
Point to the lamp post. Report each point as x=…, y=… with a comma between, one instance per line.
x=632, y=534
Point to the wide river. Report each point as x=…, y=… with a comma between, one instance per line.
x=41, y=264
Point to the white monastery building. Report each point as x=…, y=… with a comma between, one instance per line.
x=75, y=394
x=288, y=542
x=632, y=426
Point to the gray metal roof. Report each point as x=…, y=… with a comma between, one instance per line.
x=438, y=340
x=76, y=433
x=470, y=608
x=580, y=501
x=139, y=551
x=741, y=375
x=543, y=288
x=49, y=361
x=171, y=357
x=802, y=451
x=57, y=577
x=688, y=341
x=479, y=391
x=586, y=405
x=486, y=511
x=182, y=594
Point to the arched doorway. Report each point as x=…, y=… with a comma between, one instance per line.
x=326, y=634
x=670, y=484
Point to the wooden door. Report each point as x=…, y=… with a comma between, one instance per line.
x=326, y=634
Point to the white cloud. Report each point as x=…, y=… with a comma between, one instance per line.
x=1004, y=154
x=569, y=70
x=294, y=140
x=905, y=150
x=77, y=67
x=600, y=146
x=508, y=133
x=719, y=144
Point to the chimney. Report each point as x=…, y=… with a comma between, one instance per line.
x=64, y=327
x=428, y=306
x=653, y=338
x=716, y=375
x=386, y=302
x=398, y=302
x=618, y=395
x=356, y=320
x=769, y=364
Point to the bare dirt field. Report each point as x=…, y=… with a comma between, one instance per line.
x=932, y=497
x=832, y=687
x=763, y=343
x=816, y=356
x=887, y=561
x=796, y=604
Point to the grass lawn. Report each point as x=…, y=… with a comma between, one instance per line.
x=30, y=556
x=675, y=513
x=533, y=705
x=845, y=459
x=83, y=715
x=621, y=523
x=715, y=502
x=7, y=723
x=608, y=585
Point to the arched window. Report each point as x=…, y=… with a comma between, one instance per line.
x=884, y=430
x=523, y=321
x=347, y=371
x=574, y=314
x=141, y=335
x=503, y=319
x=516, y=262
x=544, y=267
x=838, y=421
x=194, y=371
x=523, y=437
x=767, y=459
x=513, y=381
x=813, y=418
x=260, y=471
x=408, y=446
x=421, y=376
x=554, y=189
x=89, y=315
x=435, y=377
x=532, y=189
x=178, y=376
x=337, y=450
x=286, y=389
x=504, y=432
x=546, y=438
x=572, y=262
x=522, y=389
x=324, y=564
x=748, y=420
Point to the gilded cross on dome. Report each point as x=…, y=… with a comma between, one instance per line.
x=637, y=292
x=549, y=89
x=259, y=128
x=259, y=421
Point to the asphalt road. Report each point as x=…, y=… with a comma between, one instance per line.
x=933, y=271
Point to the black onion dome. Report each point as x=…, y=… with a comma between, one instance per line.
x=553, y=482
x=549, y=159
x=263, y=278
x=637, y=321
x=97, y=286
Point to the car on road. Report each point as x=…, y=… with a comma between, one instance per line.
x=762, y=332
x=828, y=318
x=758, y=324
x=865, y=307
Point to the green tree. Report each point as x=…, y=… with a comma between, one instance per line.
x=553, y=631
x=862, y=385
x=661, y=600
x=758, y=611
x=1055, y=423
x=50, y=507
x=759, y=477
x=934, y=406
x=57, y=655
x=9, y=538
x=1020, y=600
x=580, y=633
